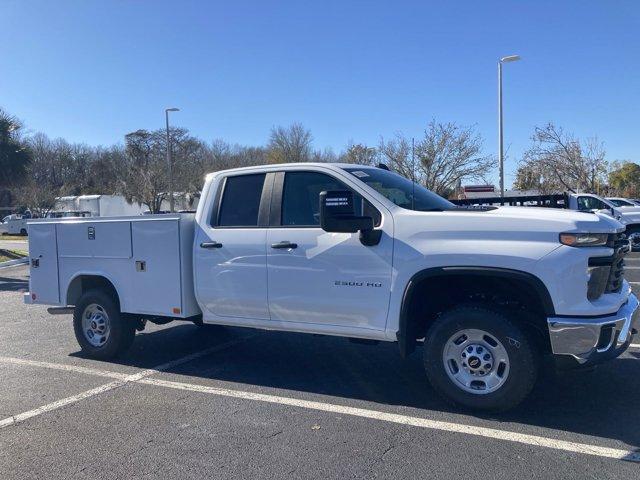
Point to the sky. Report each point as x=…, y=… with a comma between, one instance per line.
x=350, y=71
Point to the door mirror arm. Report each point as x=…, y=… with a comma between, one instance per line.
x=370, y=237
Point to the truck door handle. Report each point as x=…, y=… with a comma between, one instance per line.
x=210, y=245
x=284, y=244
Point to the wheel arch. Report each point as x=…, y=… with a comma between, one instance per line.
x=85, y=281
x=409, y=328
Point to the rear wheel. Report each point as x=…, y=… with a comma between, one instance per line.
x=23, y=231
x=101, y=330
x=476, y=357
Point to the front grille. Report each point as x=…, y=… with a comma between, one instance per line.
x=620, y=245
x=607, y=273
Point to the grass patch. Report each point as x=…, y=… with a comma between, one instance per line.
x=24, y=238
x=6, y=255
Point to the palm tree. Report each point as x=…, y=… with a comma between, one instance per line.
x=14, y=154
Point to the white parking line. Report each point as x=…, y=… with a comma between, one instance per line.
x=121, y=381
x=504, y=435
x=63, y=367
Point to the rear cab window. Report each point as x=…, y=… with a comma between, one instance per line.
x=240, y=202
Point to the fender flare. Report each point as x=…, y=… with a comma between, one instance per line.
x=404, y=343
x=89, y=274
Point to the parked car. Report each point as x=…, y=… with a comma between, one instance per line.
x=623, y=202
x=359, y=252
x=17, y=225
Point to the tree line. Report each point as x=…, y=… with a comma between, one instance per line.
x=35, y=169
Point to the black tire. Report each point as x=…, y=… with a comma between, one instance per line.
x=23, y=232
x=122, y=331
x=522, y=358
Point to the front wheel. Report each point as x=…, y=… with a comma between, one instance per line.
x=476, y=357
x=101, y=330
x=633, y=234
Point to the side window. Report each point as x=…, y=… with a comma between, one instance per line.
x=582, y=203
x=301, y=202
x=241, y=201
x=590, y=203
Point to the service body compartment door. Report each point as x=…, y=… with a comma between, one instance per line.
x=155, y=270
x=43, y=255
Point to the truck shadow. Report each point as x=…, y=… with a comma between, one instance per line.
x=8, y=284
x=601, y=403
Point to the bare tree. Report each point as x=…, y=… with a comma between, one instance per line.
x=144, y=177
x=444, y=157
x=292, y=144
x=324, y=156
x=39, y=200
x=359, y=154
x=557, y=161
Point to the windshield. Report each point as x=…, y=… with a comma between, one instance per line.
x=620, y=203
x=400, y=190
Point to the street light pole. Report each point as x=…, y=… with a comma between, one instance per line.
x=511, y=58
x=169, y=159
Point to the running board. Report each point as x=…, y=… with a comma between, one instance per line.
x=60, y=310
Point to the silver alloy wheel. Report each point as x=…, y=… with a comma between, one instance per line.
x=476, y=361
x=634, y=239
x=95, y=324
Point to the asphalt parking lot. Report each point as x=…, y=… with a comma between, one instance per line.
x=234, y=403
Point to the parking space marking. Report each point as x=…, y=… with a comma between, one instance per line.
x=121, y=381
x=142, y=378
x=533, y=440
x=635, y=345
x=63, y=367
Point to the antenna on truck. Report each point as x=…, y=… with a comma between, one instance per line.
x=413, y=173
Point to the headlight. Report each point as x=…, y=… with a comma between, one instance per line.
x=584, y=239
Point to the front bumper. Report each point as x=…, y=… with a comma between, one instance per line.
x=593, y=340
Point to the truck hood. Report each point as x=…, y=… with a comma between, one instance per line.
x=626, y=215
x=557, y=219
x=506, y=237
x=526, y=223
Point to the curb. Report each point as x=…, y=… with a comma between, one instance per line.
x=11, y=263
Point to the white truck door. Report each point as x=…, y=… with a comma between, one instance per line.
x=322, y=278
x=43, y=255
x=230, y=250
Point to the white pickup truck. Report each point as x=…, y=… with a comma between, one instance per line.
x=15, y=225
x=357, y=252
x=627, y=213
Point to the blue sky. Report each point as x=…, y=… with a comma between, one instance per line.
x=92, y=71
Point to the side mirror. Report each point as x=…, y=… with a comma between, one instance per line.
x=337, y=214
